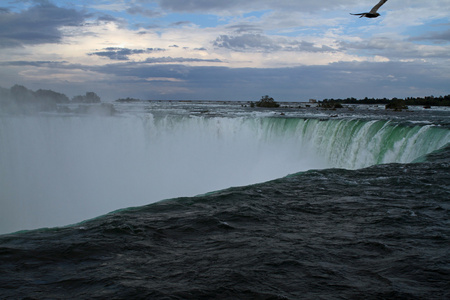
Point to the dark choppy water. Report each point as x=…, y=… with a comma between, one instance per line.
x=381, y=232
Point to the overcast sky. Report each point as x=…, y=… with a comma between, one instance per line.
x=226, y=49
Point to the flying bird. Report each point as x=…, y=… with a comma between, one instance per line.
x=373, y=12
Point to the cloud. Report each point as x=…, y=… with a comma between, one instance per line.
x=159, y=60
x=337, y=80
x=198, y=5
x=140, y=10
x=395, y=48
x=108, y=18
x=23, y=63
x=263, y=43
x=115, y=53
x=168, y=78
x=37, y=25
x=240, y=28
x=234, y=6
x=438, y=37
x=180, y=23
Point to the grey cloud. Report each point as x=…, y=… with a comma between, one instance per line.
x=37, y=25
x=180, y=23
x=262, y=43
x=394, y=49
x=197, y=5
x=115, y=53
x=108, y=18
x=233, y=6
x=245, y=42
x=338, y=80
x=307, y=47
x=142, y=71
x=240, y=28
x=49, y=66
x=21, y=63
x=139, y=10
x=370, y=44
x=155, y=60
x=436, y=37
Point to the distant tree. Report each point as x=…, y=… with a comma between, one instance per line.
x=78, y=99
x=4, y=93
x=5, y=100
x=90, y=97
x=267, y=101
x=22, y=95
x=427, y=101
x=21, y=99
x=51, y=95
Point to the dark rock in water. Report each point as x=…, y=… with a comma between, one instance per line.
x=267, y=101
x=330, y=105
x=315, y=235
x=396, y=105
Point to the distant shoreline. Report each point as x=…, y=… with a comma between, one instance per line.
x=21, y=98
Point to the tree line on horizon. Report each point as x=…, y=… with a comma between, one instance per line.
x=425, y=101
x=20, y=98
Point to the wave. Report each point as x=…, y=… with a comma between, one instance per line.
x=61, y=169
x=377, y=233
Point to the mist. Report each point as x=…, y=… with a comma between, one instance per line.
x=58, y=170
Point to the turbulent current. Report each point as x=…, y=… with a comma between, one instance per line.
x=325, y=204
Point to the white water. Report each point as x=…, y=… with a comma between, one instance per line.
x=58, y=170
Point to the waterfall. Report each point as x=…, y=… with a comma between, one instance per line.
x=61, y=169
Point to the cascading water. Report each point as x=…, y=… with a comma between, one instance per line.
x=61, y=169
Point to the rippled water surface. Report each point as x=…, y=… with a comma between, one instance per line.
x=377, y=233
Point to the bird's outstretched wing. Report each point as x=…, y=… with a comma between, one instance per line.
x=376, y=7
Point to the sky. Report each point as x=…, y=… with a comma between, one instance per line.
x=226, y=49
